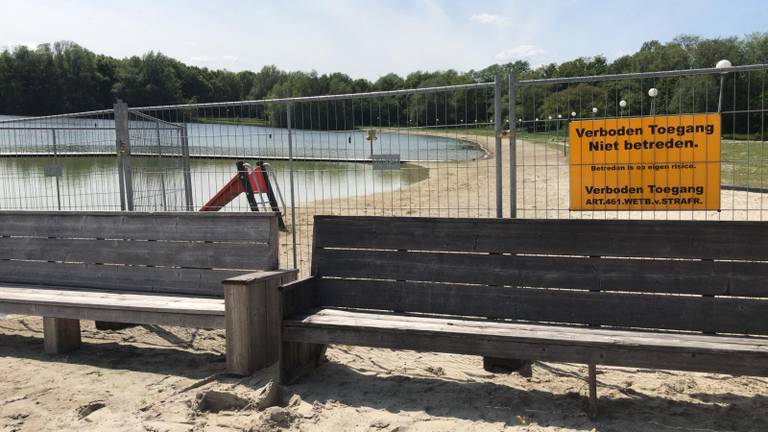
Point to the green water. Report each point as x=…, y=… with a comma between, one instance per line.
x=91, y=183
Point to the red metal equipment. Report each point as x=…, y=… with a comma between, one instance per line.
x=248, y=182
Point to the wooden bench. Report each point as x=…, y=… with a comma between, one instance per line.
x=142, y=268
x=689, y=296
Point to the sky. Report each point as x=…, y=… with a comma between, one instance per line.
x=367, y=39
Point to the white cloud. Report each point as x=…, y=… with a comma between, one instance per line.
x=491, y=19
x=520, y=52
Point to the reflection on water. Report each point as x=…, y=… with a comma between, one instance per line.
x=98, y=136
x=92, y=182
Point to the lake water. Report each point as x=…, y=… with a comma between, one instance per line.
x=230, y=140
x=91, y=182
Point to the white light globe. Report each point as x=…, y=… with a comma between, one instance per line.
x=653, y=92
x=559, y=116
x=537, y=119
x=573, y=113
x=623, y=103
x=594, y=110
x=549, y=118
x=723, y=64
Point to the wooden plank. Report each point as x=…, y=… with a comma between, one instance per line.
x=245, y=311
x=592, y=390
x=111, y=300
x=262, y=275
x=248, y=227
x=550, y=331
x=60, y=335
x=253, y=256
x=253, y=321
x=297, y=358
x=709, y=314
x=451, y=339
x=171, y=318
x=723, y=240
x=298, y=296
x=633, y=275
x=201, y=282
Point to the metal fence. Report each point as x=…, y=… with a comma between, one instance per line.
x=420, y=152
x=437, y=151
x=541, y=111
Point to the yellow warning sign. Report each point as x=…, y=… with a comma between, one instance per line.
x=646, y=163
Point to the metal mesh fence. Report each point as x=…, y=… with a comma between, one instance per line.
x=59, y=162
x=426, y=152
x=419, y=152
x=423, y=152
x=544, y=109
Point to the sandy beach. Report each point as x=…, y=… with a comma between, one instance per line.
x=153, y=378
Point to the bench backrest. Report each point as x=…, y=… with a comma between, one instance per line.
x=175, y=253
x=681, y=275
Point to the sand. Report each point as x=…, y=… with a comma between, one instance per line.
x=152, y=378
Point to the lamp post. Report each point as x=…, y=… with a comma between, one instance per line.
x=722, y=64
x=653, y=92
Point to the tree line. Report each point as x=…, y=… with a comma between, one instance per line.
x=65, y=77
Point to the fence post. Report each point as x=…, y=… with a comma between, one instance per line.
x=512, y=147
x=290, y=176
x=161, y=167
x=498, y=88
x=185, y=167
x=124, y=155
x=58, y=174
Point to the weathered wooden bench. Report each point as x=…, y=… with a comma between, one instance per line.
x=689, y=296
x=142, y=268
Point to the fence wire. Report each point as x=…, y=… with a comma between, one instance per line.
x=544, y=109
x=419, y=152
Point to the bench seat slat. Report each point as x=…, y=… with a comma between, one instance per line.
x=654, y=276
x=643, y=337
x=639, y=238
x=112, y=300
x=114, y=307
x=511, y=340
x=694, y=313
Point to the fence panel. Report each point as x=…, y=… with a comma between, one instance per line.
x=59, y=162
x=422, y=152
x=543, y=110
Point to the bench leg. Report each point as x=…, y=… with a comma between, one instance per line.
x=298, y=359
x=592, y=391
x=252, y=316
x=249, y=346
x=60, y=335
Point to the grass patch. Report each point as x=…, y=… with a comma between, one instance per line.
x=744, y=163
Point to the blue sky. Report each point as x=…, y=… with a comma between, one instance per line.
x=370, y=38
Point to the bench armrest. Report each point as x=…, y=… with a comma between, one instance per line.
x=298, y=296
x=252, y=318
x=285, y=276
